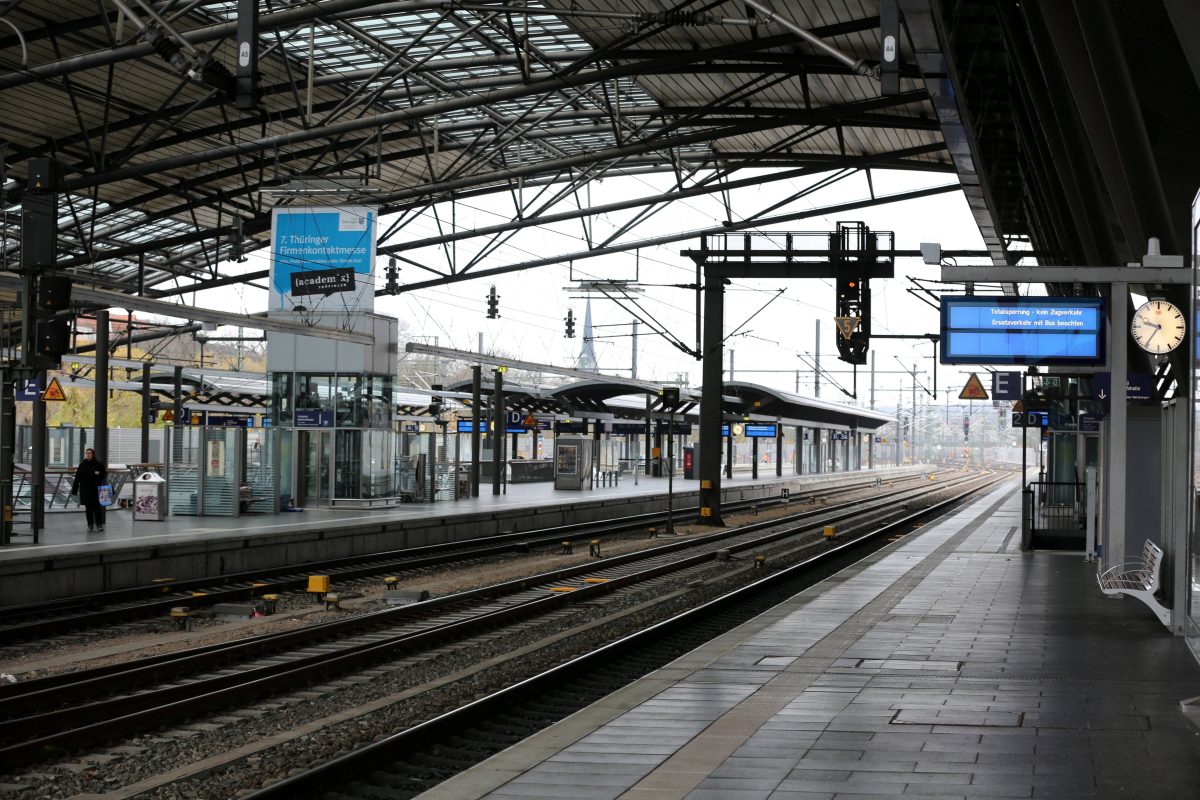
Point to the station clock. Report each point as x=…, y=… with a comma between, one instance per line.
x=1158, y=326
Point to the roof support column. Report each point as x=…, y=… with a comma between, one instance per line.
x=710, y=400
x=100, y=445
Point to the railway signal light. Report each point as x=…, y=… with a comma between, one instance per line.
x=966, y=428
x=849, y=290
x=493, y=303
x=570, y=321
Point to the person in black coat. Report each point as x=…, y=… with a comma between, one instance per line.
x=90, y=476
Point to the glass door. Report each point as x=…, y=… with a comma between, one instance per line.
x=313, y=487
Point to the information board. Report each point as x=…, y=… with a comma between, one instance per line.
x=1023, y=330
x=322, y=258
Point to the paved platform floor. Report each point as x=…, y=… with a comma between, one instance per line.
x=66, y=532
x=947, y=665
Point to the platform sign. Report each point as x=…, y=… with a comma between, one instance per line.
x=313, y=418
x=29, y=390
x=1030, y=419
x=1138, y=386
x=322, y=259
x=1023, y=330
x=1088, y=423
x=1006, y=386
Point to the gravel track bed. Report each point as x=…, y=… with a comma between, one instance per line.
x=425, y=687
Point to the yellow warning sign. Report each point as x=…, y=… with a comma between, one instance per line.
x=847, y=325
x=530, y=422
x=54, y=392
x=168, y=415
x=1018, y=406
x=973, y=390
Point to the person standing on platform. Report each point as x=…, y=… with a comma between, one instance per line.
x=90, y=476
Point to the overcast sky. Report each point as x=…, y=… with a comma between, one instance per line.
x=768, y=348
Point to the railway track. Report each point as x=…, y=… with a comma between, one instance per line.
x=26, y=622
x=61, y=712
x=418, y=758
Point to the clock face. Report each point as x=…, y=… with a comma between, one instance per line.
x=1158, y=326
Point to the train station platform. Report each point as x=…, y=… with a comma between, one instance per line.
x=68, y=561
x=948, y=664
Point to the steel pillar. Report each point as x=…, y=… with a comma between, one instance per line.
x=476, y=391
x=37, y=478
x=100, y=443
x=496, y=437
x=710, y=401
x=8, y=434
x=146, y=412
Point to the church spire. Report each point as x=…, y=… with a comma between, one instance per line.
x=587, y=354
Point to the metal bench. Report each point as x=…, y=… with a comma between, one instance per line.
x=1139, y=579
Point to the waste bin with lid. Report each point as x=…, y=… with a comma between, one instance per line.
x=149, y=497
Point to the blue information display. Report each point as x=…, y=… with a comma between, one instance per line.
x=755, y=430
x=1023, y=330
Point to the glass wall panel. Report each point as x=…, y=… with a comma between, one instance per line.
x=378, y=462
x=287, y=464
x=221, y=486
x=261, y=495
x=314, y=392
x=347, y=465
x=377, y=401
x=348, y=401
x=183, y=470
x=282, y=400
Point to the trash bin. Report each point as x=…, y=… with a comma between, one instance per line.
x=149, y=497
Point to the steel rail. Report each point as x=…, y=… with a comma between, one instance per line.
x=373, y=757
x=131, y=713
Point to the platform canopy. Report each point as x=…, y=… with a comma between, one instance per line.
x=618, y=400
x=173, y=160
x=180, y=125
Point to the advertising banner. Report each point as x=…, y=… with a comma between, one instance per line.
x=322, y=259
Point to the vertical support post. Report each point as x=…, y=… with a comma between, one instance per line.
x=496, y=437
x=633, y=353
x=779, y=450
x=1090, y=513
x=817, y=360
x=710, y=401
x=1114, y=531
x=476, y=391
x=101, y=423
x=671, y=470
x=177, y=412
x=649, y=436
x=872, y=403
x=729, y=456
x=37, y=478
x=799, y=449
x=145, y=450
x=247, y=55
x=8, y=433
x=754, y=457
